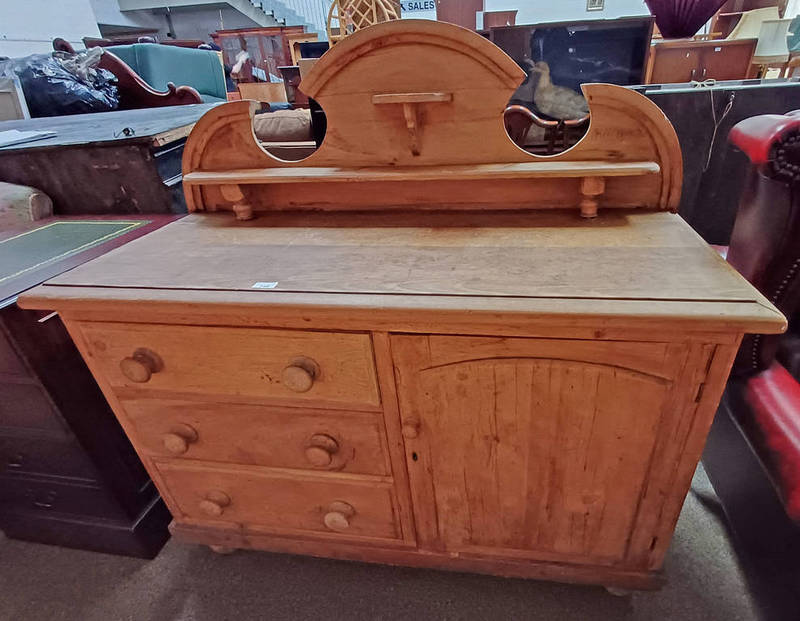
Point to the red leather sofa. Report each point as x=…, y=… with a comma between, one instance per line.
x=752, y=456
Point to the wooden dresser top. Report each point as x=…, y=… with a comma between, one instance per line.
x=418, y=212
x=519, y=261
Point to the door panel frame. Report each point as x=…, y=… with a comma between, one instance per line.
x=683, y=365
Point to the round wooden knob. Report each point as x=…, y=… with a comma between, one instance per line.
x=299, y=376
x=337, y=521
x=141, y=365
x=214, y=503
x=318, y=456
x=338, y=517
x=410, y=429
x=179, y=438
x=297, y=379
x=321, y=449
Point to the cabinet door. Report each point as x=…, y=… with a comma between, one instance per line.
x=729, y=61
x=674, y=64
x=461, y=12
x=530, y=447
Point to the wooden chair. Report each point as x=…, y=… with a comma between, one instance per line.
x=352, y=15
x=749, y=24
x=772, y=50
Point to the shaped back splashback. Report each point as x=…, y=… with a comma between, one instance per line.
x=415, y=121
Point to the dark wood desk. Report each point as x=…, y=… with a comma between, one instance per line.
x=124, y=162
x=68, y=474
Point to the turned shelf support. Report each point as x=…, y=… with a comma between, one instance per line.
x=232, y=192
x=411, y=103
x=411, y=114
x=591, y=188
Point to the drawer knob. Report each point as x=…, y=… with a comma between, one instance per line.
x=410, y=428
x=299, y=376
x=179, y=438
x=141, y=365
x=338, y=517
x=321, y=449
x=214, y=503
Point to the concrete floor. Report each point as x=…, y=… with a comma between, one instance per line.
x=187, y=582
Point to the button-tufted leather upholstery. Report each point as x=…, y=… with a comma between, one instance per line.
x=765, y=248
x=765, y=244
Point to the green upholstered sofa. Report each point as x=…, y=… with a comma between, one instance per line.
x=159, y=64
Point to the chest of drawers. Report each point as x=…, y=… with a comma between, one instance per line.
x=68, y=474
x=470, y=385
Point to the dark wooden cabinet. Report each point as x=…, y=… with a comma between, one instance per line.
x=68, y=474
x=686, y=60
x=268, y=47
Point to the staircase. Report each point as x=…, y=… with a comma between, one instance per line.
x=251, y=9
x=254, y=10
x=313, y=14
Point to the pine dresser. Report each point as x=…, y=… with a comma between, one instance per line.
x=422, y=345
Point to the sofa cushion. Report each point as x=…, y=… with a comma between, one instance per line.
x=283, y=126
x=789, y=351
x=774, y=430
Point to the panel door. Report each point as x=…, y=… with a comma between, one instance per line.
x=674, y=64
x=530, y=447
x=726, y=62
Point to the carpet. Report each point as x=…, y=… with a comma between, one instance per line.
x=188, y=582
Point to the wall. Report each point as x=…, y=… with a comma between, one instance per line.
x=111, y=19
x=29, y=26
x=198, y=23
x=189, y=22
x=538, y=11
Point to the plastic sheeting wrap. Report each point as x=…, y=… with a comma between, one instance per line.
x=62, y=83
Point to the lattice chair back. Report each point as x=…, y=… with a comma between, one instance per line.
x=348, y=16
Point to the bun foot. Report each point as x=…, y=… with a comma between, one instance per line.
x=222, y=549
x=618, y=592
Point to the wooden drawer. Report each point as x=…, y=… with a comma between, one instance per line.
x=281, y=502
x=259, y=435
x=282, y=365
x=56, y=495
x=27, y=406
x=36, y=455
